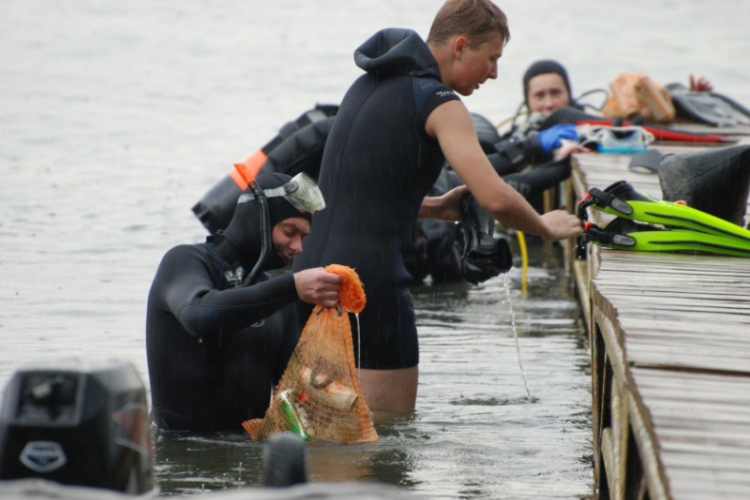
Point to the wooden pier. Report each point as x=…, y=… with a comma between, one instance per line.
x=670, y=350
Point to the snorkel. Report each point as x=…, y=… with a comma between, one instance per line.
x=265, y=231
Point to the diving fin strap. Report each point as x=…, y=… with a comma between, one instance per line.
x=605, y=237
x=601, y=199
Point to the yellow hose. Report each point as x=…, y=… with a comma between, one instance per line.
x=524, y=262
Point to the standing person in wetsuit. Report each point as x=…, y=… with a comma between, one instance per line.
x=216, y=345
x=396, y=126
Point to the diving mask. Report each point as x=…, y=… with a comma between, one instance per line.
x=301, y=191
x=623, y=140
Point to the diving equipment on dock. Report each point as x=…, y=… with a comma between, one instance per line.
x=707, y=107
x=626, y=234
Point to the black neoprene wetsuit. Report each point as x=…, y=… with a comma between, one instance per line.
x=215, y=347
x=377, y=166
x=214, y=352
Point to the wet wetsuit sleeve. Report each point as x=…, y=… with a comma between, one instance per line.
x=191, y=297
x=539, y=179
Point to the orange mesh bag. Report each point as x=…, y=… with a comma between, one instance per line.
x=318, y=396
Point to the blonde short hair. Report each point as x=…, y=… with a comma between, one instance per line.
x=478, y=20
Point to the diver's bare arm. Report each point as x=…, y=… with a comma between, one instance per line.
x=452, y=126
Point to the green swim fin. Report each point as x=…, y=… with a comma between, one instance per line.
x=626, y=234
x=622, y=200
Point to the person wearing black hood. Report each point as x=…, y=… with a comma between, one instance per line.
x=216, y=343
x=394, y=129
x=546, y=87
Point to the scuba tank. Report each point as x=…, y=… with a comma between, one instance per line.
x=79, y=424
x=216, y=208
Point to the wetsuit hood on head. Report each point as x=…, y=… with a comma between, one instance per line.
x=396, y=51
x=244, y=234
x=542, y=67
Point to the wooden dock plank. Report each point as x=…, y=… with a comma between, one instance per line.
x=701, y=423
x=676, y=325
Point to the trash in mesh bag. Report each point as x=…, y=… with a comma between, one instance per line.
x=318, y=396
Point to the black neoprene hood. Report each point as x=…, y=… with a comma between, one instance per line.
x=396, y=51
x=543, y=67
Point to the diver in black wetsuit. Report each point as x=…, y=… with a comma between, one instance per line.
x=216, y=343
x=394, y=130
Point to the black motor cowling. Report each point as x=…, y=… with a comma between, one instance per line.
x=77, y=423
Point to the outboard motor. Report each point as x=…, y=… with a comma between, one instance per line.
x=78, y=423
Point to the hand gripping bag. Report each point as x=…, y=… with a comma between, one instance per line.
x=318, y=396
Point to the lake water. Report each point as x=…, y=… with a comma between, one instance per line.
x=115, y=117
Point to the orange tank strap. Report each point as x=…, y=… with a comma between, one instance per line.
x=244, y=173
